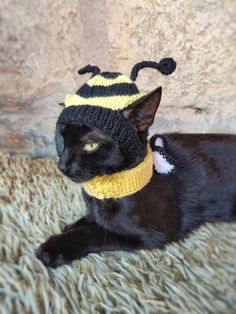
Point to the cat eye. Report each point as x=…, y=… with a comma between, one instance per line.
x=90, y=147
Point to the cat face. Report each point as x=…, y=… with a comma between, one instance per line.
x=85, y=152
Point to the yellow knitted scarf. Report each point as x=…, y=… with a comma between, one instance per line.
x=122, y=183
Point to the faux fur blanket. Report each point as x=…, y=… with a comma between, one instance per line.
x=197, y=275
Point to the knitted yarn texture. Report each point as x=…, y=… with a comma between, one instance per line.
x=123, y=183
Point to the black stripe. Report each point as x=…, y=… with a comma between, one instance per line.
x=110, y=75
x=119, y=89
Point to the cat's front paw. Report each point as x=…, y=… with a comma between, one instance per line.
x=51, y=252
x=61, y=249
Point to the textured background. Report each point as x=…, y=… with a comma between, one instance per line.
x=44, y=43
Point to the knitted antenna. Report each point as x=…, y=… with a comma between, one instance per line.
x=90, y=69
x=166, y=66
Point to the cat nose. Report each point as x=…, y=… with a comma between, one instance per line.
x=71, y=170
x=75, y=170
x=62, y=166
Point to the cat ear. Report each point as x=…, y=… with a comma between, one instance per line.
x=142, y=112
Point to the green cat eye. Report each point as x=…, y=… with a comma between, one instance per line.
x=89, y=147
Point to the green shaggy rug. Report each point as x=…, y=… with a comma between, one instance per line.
x=197, y=275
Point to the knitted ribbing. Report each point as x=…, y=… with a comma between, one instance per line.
x=111, y=122
x=123, y=183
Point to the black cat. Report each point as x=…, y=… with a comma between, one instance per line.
x=202, y=189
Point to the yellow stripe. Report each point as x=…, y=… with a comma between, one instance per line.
x=98, y=80
x=113, y=102
x=122, y=183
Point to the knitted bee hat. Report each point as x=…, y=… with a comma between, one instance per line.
x=99, y=102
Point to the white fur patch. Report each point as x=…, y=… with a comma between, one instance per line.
x=159, y=142
x=161, y=164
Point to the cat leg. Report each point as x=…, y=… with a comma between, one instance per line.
x=86, y=220
x=78, y=242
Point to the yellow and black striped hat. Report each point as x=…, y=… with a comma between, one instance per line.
x=107, y=90
x=99, y=102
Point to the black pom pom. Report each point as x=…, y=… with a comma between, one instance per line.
x=90, y=69
x=167, y=66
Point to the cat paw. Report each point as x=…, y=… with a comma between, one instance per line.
x=63, y=248
x=51, y=252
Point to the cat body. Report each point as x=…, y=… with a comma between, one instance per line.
x=169, y=206
x=202, y=189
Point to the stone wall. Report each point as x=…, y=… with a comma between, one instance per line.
x=44, y=43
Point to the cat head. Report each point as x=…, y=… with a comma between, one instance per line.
x=85, y=151
x=104, y=127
